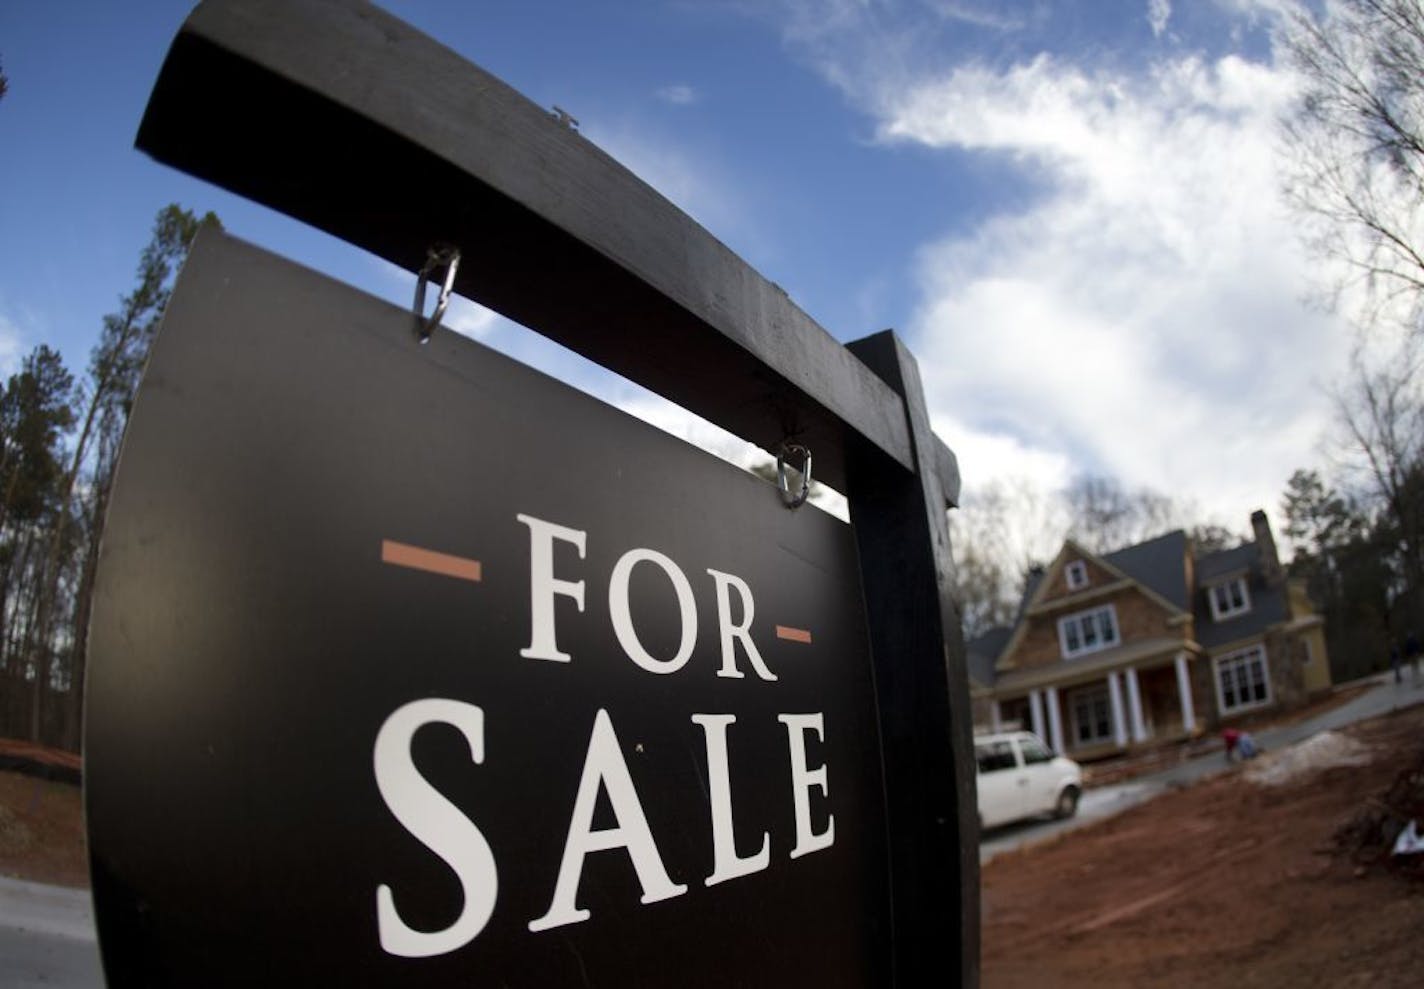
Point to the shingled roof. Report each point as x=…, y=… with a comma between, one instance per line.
x=1268, y=604
x=983, y=652
x=1159, y=565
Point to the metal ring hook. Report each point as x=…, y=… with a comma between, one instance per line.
x=798, y=499
x=441, y=254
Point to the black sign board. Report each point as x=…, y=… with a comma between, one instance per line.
x=411, y=666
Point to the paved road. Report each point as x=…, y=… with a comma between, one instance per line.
x=47, y=937
x=1101, y=802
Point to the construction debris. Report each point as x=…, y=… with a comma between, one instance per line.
x=1409, y=842
x=1322, y=751
x=1376, y=834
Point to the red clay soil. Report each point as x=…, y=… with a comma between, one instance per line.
x=41, y=831
x=1226, y=883
x=13, y=750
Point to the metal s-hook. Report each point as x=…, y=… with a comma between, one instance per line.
x=799, y=498
x=440, y=254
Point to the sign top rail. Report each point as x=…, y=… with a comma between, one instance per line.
x=298, y=104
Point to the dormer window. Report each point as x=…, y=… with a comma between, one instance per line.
x=1229, y=599
x=1076, y=574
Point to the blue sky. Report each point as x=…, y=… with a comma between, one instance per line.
x=1068, y=209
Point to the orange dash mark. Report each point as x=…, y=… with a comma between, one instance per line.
x=793, y=634
x=401, y=555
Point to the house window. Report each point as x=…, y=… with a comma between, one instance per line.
x=1229, y=598
x=1092, y=715
x=1242, y=681
x=1077, y=575
x=1088, y=631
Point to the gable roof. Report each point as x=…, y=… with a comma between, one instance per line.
x=1160, y=568
x=1268, y=604
x=1226, y=561
x=1151, y=570
x=1159, y=565
x=1037, y=585
x=983, y=652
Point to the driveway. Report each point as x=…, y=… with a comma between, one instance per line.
x=1105, y=801
x=47, y=937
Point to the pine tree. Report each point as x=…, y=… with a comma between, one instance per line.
x=54, y=636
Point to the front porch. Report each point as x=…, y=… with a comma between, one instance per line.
x=1101, y=713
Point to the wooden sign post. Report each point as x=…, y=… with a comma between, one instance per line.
x=410, y=666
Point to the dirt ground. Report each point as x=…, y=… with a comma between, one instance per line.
x=41, y=831
x=1227, y=883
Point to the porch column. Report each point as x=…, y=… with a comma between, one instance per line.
x=1134, y=705
x=1184, y=692
x=1119, y=722
x=1055, y=721
x=996, y=717
x=1035, y=712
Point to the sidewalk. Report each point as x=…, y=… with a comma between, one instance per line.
x=47, y=937
x=54, y=911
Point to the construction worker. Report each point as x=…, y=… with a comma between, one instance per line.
x=1239, y=745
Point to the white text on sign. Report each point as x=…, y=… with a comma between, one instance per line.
x=443, y=828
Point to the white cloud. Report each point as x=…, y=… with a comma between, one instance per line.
x=997, y=457
x=677, y=421
x=470, y=319
x=12, y=345
x=694, y=184
x=977, y=15
x=464, y=316
x=1143, y=317
x=711, y=438
x=678, y=94
x=1159, y=12
x=1258, y=11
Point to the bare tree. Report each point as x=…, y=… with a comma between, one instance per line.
x=1003, y=529
x=1381, y=411
x=1105, y=516
x=1354, y=143
x=1007, y=528
x=1354, y=139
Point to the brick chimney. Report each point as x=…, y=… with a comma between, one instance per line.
x=1266, y=544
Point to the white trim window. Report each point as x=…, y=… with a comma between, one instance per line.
x=1243, y=680
x=1091, y=712
x=1088, y=631
x=1229, y=599
x=1076, y=574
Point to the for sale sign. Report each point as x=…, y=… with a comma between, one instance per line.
x=411, y=666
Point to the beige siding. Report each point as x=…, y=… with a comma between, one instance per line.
x=1058, y=579
x=1317, y=670
x=1138, y=617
